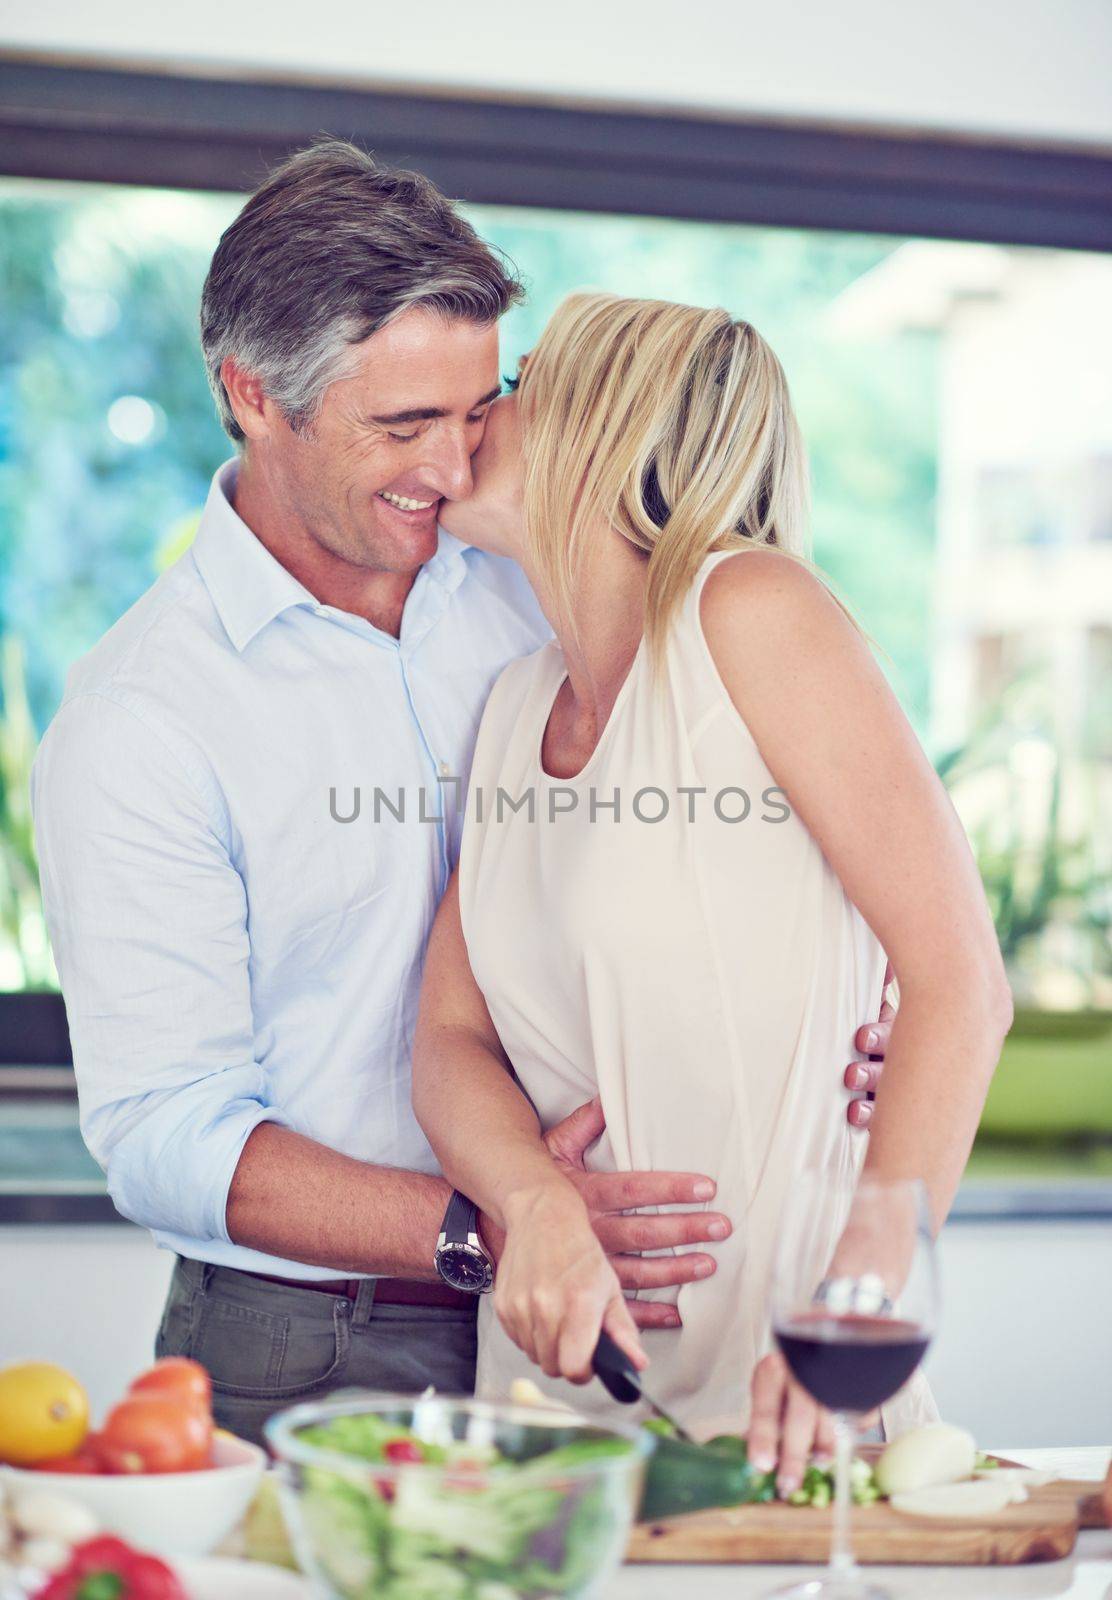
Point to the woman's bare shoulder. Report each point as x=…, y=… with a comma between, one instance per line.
x=762, y=599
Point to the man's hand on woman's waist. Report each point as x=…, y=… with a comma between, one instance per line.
x=862, y=1077
x=608, y=1195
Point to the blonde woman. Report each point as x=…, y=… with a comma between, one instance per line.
x=694, y=918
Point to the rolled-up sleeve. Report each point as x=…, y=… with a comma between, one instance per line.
x=147, y=917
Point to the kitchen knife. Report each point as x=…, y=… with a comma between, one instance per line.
x=616, y=1372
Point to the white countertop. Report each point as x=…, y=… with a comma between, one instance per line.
x=1085, y=1575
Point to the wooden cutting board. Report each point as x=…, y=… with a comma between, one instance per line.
x=1041, y=1528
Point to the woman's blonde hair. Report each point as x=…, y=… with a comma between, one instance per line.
x=670, y=423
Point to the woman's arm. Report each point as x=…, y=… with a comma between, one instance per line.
x=810, y=693
x=806, y=685
x=463, y=1093
x=555, y=1286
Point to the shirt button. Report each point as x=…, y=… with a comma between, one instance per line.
x=442, y=768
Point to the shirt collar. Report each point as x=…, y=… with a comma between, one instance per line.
x=249, y=588
x=449, y=565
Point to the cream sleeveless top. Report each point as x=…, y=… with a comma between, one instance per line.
x=663, y=931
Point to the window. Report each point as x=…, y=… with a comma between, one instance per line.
x=957, y=404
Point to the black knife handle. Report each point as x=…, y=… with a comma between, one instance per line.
x=616, y=1371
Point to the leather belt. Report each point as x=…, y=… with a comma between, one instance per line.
x=388, y=1291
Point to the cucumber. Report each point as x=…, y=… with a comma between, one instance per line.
x=694, y=1477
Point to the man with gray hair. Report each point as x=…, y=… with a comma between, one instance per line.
x=239, y=944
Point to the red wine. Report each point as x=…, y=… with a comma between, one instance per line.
x=851, y=1363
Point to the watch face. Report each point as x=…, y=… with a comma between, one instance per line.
x=464, y=1267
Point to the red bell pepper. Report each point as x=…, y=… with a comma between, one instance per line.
x=106, y=1568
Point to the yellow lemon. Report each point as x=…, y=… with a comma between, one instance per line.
x=44, y=1412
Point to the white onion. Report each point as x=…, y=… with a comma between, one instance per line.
x=1029, y=1477
x=42, y=1515
x=975, y=1498
x=934, y=1454
x=45, y=1555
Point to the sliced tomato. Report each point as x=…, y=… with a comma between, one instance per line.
x=402, y=1450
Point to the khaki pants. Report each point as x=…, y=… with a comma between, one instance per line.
x=267, y=1346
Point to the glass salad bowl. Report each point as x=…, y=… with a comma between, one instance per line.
x=403, y=1498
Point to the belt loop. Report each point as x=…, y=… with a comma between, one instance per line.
x=364, y=1304
x=195, y=1273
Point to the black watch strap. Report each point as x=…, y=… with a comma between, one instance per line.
x=460, y=1219
x=461, y=1258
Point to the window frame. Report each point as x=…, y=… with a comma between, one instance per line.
x=110, y=123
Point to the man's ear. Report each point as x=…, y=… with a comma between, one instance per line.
x=246, y=398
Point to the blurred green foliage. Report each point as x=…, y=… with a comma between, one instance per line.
x=23, y=941
x=1029, y=796
x=103, y=286
x=101, y=295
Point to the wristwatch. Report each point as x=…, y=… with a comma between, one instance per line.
x=460, y=1257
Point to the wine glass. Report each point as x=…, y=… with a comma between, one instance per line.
x=854, y=1306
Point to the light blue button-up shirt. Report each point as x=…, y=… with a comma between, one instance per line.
x=230, y=952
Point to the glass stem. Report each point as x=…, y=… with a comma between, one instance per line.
x=841, y=1548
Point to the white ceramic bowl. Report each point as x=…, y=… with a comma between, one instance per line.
x=165, y=1513
x=240, y=1580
